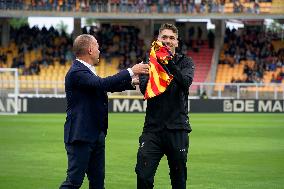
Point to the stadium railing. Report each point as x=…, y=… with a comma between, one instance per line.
x=239, y=90
x=33, y=88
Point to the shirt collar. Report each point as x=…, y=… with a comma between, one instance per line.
x=92, y=68
x=85, y=63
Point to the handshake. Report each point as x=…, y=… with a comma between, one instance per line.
x=138, y=69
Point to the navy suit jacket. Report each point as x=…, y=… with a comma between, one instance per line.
x=87, y=101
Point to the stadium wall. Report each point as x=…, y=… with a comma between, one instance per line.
x=58, y=105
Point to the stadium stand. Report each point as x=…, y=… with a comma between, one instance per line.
x=141, y=6
x=250, y=56
x=202, y=60
x=43, y=60
x=44, y=56
x=277, y=6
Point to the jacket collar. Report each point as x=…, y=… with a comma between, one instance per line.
x=77, y=64
x=177, y=58
x=85, y=63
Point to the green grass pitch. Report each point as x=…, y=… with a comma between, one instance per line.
x=227, y=151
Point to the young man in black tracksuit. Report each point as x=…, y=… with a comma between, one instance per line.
x=166, y=126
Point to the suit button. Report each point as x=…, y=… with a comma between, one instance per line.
x=105, y=104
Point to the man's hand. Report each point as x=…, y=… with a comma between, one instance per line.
x=170, y=65
x=140, y=69
x=135, y=80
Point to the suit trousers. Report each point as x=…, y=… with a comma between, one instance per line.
x=89, y=158
x=153, y=146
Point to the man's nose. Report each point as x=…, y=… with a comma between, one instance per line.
x=167, y=41
x=167, y=44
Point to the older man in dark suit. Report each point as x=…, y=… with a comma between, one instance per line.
x=87, y=113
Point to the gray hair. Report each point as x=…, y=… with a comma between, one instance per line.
x=81, y=44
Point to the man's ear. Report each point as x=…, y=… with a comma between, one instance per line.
x=177, y=43
x=90, y=51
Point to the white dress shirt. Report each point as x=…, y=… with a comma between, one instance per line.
x=92, y=68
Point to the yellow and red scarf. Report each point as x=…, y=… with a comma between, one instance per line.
x=159, y=79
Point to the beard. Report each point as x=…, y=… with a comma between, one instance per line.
x=96, y=61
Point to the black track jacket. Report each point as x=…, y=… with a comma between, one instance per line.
x=170, y=109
